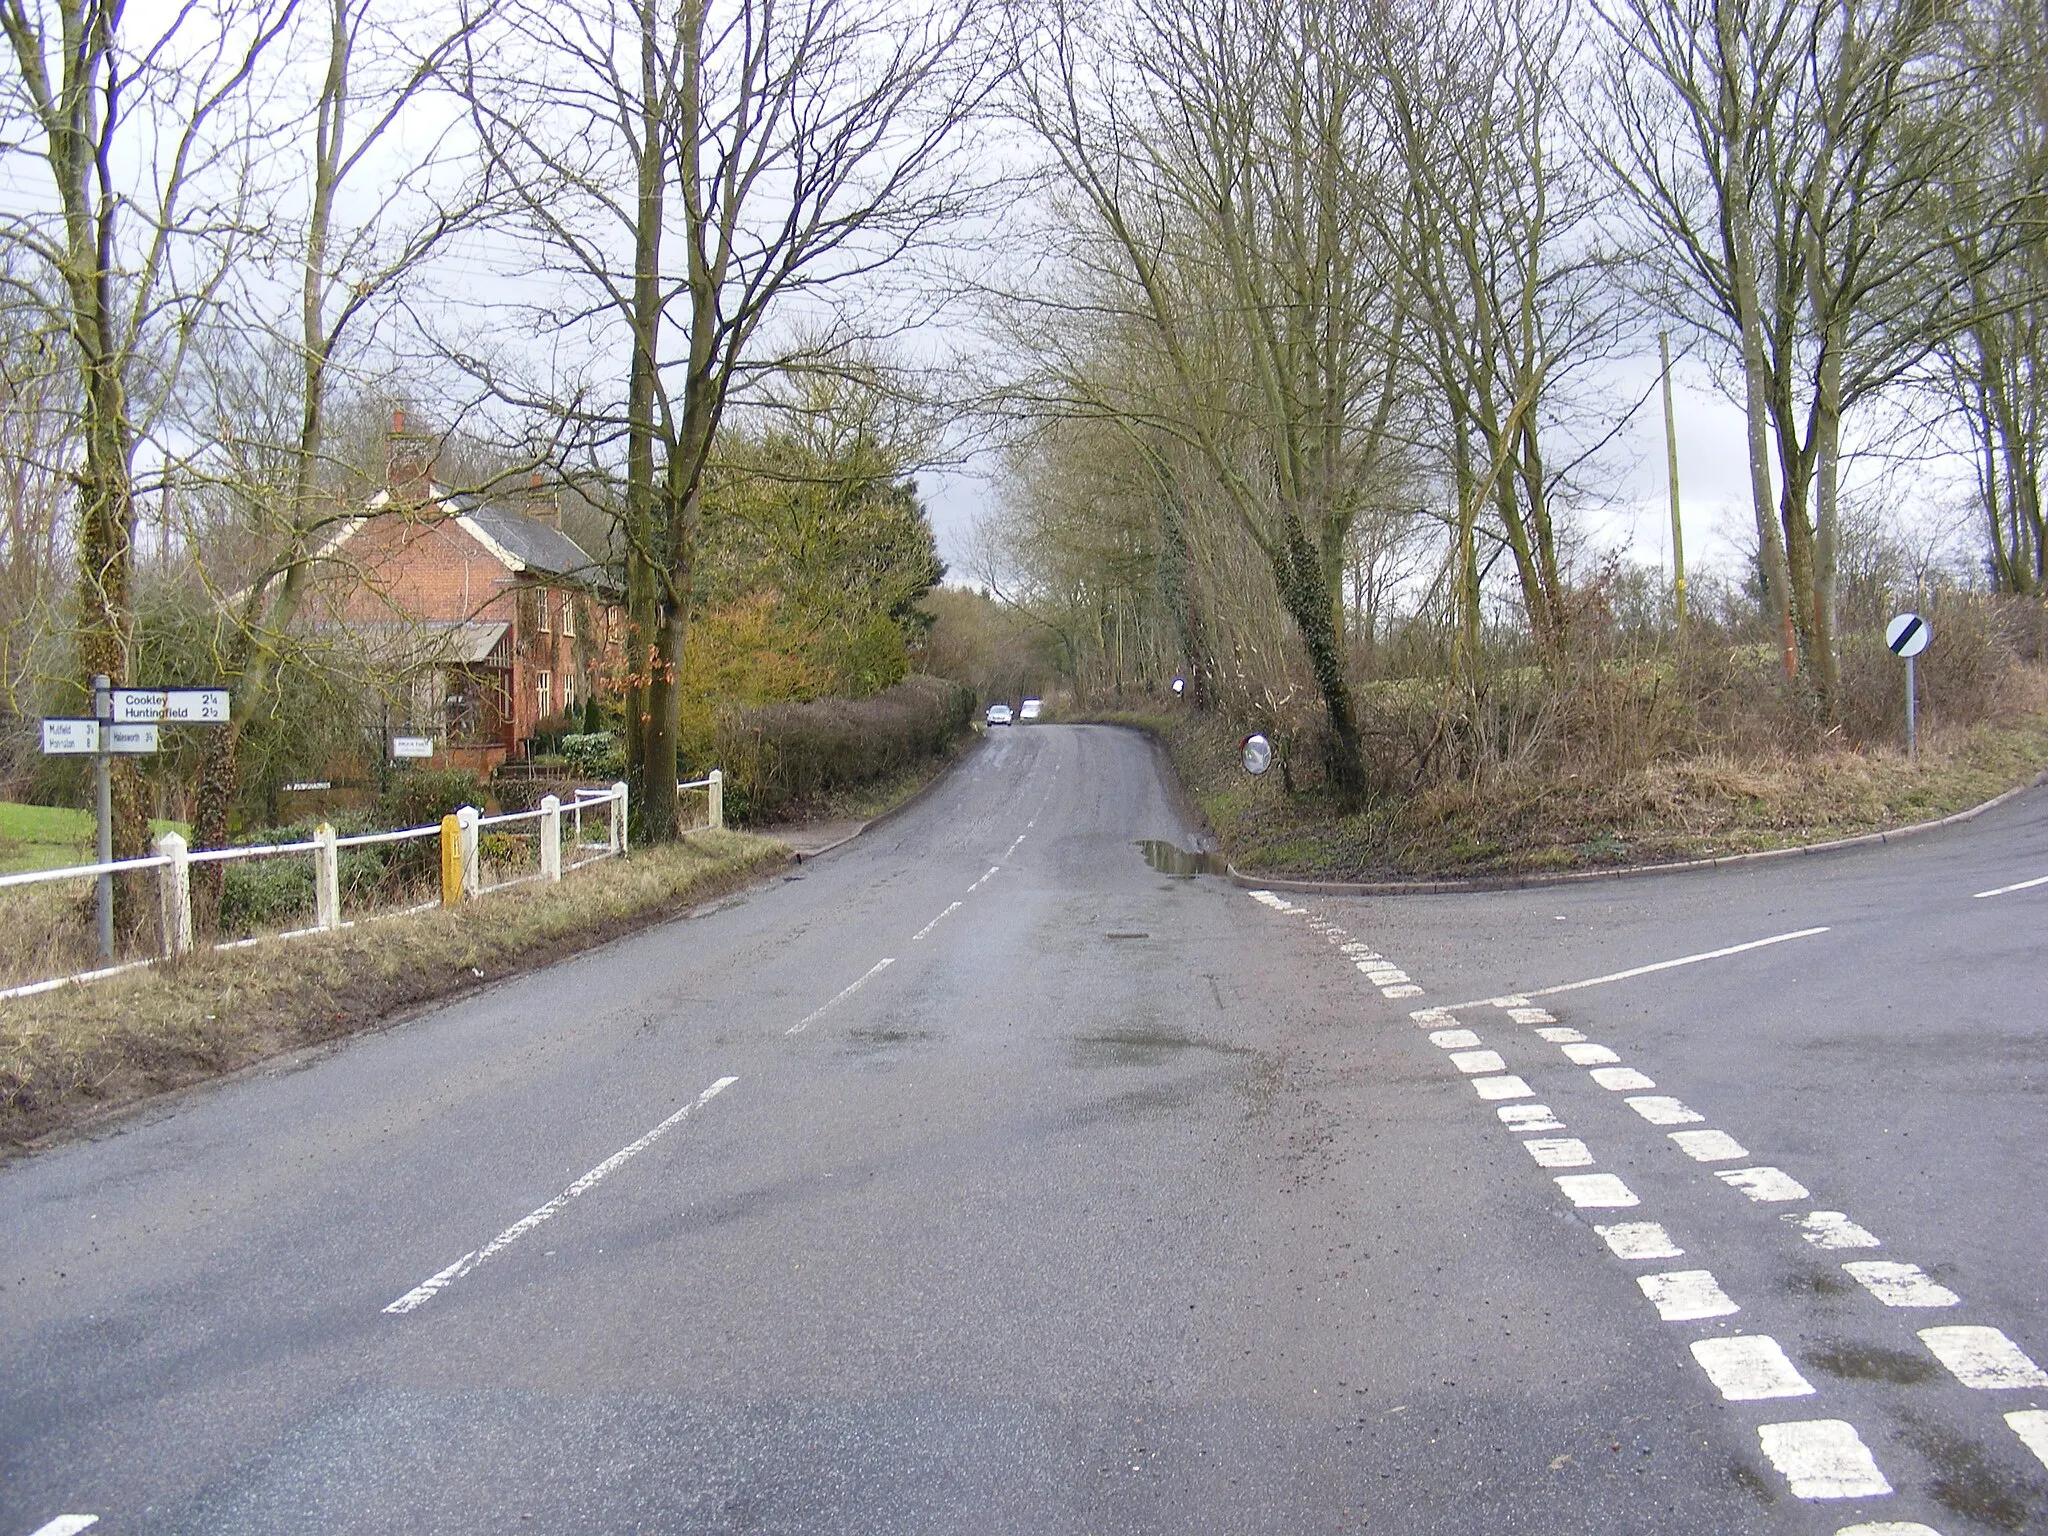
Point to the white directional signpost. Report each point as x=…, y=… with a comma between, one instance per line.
x=175, y=706
x=1907, y=635
x=125, y=721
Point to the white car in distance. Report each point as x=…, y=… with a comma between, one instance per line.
x=1031, y=710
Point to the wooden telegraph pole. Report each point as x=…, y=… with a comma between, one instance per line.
x=1671, y=474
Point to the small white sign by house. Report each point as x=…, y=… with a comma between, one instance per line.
x=412, y=746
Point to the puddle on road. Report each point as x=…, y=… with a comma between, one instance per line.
x=1170, y=859
x=1817, y=1282
x=1965, y=1481
x=875, y=1038
x=1143, y=1048
x=1868, y=1362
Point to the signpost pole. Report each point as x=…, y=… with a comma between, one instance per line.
x=1912, y=713
x=103, y=711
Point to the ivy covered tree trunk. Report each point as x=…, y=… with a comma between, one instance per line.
x=1305, y=591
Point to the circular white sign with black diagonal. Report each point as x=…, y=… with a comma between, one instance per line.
x=1907, y=635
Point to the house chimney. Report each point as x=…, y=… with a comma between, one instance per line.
x=543, y=506
x=408, y=462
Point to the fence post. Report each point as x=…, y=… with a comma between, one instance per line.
x=451, y=861
x=466, y=818
x=717, y=801
x=550, y=837
x=174, y=892
x=326, y=879
x=619, y=817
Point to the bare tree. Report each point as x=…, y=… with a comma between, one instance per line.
x=1224, y=165
x=1511, y=280
x=133, y=138
x=342, y=268
x=1990, y=215
x=697, y=172
x=1775, y=150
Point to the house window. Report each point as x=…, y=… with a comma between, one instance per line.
x=543, y=690
x=569, y=615
x=544, y=610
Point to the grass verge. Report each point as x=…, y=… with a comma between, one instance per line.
x=1526, y=823
x=69, y=1056
x=52, y=836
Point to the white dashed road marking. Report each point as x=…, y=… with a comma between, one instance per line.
x=1763, y=1185
x=66, y=1525
x=1473, y=1063
x=993, y=871
x=1983, y=1358
x=1521, y=999
x=1831, y=1229
x=426, y=1291
x=1640, y=1240
x=1559, y=1035
x=1453, y=1039
x=1750, y=1368
x=1687, y=1295
x=928, y=927
x=1620, y=1079
x=1531, y=1016
x=1508, y=1087
x=1661, y=1110
x=1589, y=1055
x=1596, y=1191
x=2031, y=1425
x=1709, y=1146
x=1888, y=1528
x=1823, y=1459
x=1529, y=1117
x=824, y=1008
x=1559, y=1152
x=2007, y=890
x=1901, y=1285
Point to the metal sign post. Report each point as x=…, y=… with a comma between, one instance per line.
x=103, y=783
x=124, y=721
x=1907, y=635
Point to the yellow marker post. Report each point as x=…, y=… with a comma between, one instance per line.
x=451, y=862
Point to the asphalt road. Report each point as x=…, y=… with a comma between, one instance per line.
x=982, y=1179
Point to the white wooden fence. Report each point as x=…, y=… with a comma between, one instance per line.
x=595, y=822
x=714, y=799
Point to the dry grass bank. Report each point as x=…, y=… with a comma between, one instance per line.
x=70, y=1055
x=1558, y=814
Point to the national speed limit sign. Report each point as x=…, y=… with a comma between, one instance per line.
x=1907, y=635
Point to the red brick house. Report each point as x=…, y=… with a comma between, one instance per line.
x=489, y=617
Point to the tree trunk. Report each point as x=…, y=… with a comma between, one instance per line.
x=647, y=736
x=1297, y=568
x=1827, y=447
x=1774, y=576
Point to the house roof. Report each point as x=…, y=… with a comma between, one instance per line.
x=520, y=543
x=531, y=544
